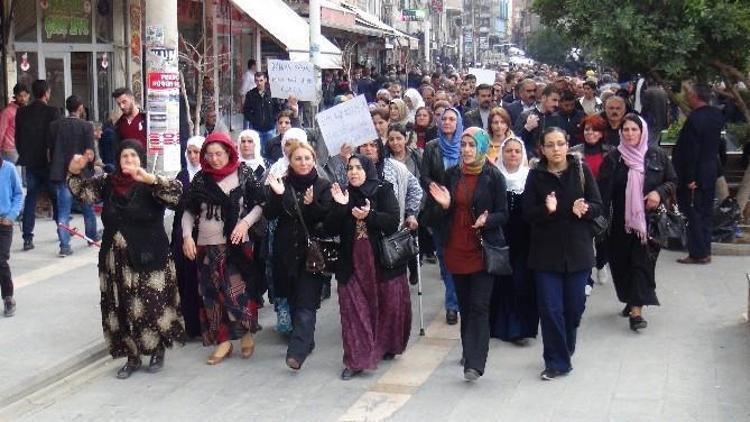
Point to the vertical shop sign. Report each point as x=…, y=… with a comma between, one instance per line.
x=163, y=99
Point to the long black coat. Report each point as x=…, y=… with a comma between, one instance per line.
x=382, y=220
x=32, y=132
x=560, y=241
x=431, y=170
x=290, y=244
x=696, y=154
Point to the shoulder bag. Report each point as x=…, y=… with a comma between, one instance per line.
x=397, y=249
x=496, y=257
x=321, y=255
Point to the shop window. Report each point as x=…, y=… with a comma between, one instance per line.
x=27, y=68
x=104, y=21
x=25, y=21
x=67, y=21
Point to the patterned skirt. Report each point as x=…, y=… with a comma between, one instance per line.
x=229, y=307
x=140, y=310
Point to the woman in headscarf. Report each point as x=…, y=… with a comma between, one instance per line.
x=225, y=200
x=440, y=155
x=513, y=313
x=413, y=102
x=248, y=144
x=187, y=270
x=424, y=127
x=398, y=112
x=139, y=296
x=499, y=131
x=300, y=201
x=373, y=300
x=635, y=179
x=475, y=210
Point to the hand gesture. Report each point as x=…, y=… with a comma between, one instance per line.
x=411, y=223
x=139, y=174
x=77, y=163
x=239, y=232
x=308, y=199
x=580, y=207
x=532, y=122
x=341, y=197
x=360, y=213
x=551, y=202
x=188, y=248
x=441, y=195
x=277, y=186
x=652, y=200
x=481, y=221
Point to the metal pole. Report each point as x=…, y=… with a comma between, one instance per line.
x=315, y=48
x=427, y=24
x=474, y=39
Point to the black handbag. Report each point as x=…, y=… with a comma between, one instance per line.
x=321, y=255
x=496, y=258
x=398, y=248
x=667, y=227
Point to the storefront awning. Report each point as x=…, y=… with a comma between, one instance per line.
x=367, y=20
x=290, y=30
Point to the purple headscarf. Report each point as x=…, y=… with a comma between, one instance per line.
x=634, y=157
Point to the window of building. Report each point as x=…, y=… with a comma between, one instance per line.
x=103, y=19
x=25, y=21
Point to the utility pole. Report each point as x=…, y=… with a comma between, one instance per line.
x=474, y=39
x=315, y=49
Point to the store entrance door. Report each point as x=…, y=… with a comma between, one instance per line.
x=68, y=74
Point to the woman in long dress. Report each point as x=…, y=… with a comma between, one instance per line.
x=140, y=302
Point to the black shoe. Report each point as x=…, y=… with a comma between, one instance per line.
x=637, y=323
x=414, y=278
x=348, y=374
x=66, y=251
x=157, y=361
x=326, y=292
x=389, y=356
x=451, y=317
x=471, y=374
x=28, y=244
x=430, y=259
x=462, y=362
x=521, y=342
x=625, y=311
x=550, y=374
x=293, y=364
x=126, y=371
x=10, y=306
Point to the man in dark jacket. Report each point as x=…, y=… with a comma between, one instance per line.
x=531, y=124
x=67, y=137
x=261, y=109
x=615, y=109
x=527, y=100
x=32, y=129
x=571, y=117
x=480, y=116
x=696, y=161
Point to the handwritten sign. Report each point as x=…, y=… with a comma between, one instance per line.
x=292, y=78
x=484, y=76
x=348, y=122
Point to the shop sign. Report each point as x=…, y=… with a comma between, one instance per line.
x=67, y=20
x=160, y=81
x=413, y=15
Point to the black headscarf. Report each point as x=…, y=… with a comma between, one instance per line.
x=367, y=190
x=122, y=183
x=382, y=154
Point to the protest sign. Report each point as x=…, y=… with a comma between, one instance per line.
x=484, y=76
x=292, y=78
x=348, y=122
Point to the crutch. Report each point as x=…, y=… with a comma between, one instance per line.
x=75, y=232
x=419, y=290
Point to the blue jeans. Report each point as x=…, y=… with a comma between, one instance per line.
x=37, y=180
x=451, y=301
x=64, y=206
x=561, y=299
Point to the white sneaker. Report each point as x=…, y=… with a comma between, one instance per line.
x=588, y=289
x=603, y=276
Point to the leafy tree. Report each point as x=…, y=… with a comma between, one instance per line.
x=546, y=45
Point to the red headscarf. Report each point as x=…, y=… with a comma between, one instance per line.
x=234, y=158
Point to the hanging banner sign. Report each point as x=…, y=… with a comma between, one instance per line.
x=348, y=122
x=292, y=78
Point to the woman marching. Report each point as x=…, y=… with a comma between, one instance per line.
x=560, y=206
x=374, y=300
x=300, y=201
x=139, y=297
x=499, y=131
x=187, y=271
x=635, y=179
x=248, y=144
x=225, y=201
x=513, y=311
x=475, y=211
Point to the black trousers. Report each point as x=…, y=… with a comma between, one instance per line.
x=698, y=207
x=474, y=292
x=6, y=282
x=304, y=302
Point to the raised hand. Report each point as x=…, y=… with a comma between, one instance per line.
x=139, y=174
x=580, y=207
x=77, y=163
x=277, y=186
x=441, y=195
x=551, y=202
x=481, y=221
x=341, y=197
x=360, y=213
x=308, y=196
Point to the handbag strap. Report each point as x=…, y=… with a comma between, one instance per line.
x=299, y=214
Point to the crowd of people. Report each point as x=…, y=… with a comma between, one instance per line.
x=523, y=171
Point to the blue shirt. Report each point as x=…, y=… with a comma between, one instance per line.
x=11, y=194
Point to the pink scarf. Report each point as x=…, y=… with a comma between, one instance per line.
x=635, y=210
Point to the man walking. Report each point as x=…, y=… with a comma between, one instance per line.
x=8, y=122
x=479, y=116
x=132, y=123
x=68, y=137
x=696, y=161
x=32, y=131
x=532, y=123
x=261, y=109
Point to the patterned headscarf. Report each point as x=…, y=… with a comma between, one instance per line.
x=482, y=142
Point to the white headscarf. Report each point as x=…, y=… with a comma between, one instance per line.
x=515, y=181
x=195, y=141
x=416, y=101
x=279, y=168
x=257, y=159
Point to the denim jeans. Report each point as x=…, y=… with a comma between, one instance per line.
x=451, y=301
x=561, y=300
x=64, y=206
x=37, y=180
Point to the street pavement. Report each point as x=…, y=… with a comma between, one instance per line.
x=691, y=364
